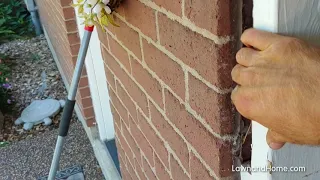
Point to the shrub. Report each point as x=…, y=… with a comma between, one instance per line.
x=6, y=99
x=15, y=20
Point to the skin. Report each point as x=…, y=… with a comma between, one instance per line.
x=278, y=81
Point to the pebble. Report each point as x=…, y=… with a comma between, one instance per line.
x=34, y=76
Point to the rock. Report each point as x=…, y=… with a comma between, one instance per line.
x=39, y=112
x=26, y=80
x=78, y=176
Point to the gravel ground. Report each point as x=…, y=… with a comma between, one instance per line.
x=29, y=159
x=34, y=76
x=28, y=155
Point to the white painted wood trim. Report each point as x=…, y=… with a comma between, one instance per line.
x=299, y=19
x=106, y=122
x=265, y=17
x=245, y=175
x=98, y=85
x=100, y=150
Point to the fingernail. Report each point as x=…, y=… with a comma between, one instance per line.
x=276, y=146
x=235, y=89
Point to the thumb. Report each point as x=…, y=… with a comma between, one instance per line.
x=275, y=141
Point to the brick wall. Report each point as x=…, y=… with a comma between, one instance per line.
x=168, y=70
x=58, y=19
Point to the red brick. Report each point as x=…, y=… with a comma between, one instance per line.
x=75, y=49
x=198, y=171
x=130, y=155
x=65, y=2
x=71, y=25
x=219, y=158
x=68, y=13
x=168, y=71
x=170, y=135
x=220, y=15
x=127, y=36
x=85, y=92
x=83, y=82
x=91, y=122
x=141, y=16
x=74, y=60
x=115, y=115
x=118, y=144
x=132, y=171
x=110, y=77
x=120, y=10
x=73, y=38
x=215, y=108
x=84, y=71
x=126, y=147
x=142, y=143
x=176, y=170
x=150, y=84
x=173, y=6
x=141, y=174
x=127, y=101
x=88, y=112
x=155, y=141
x=125, y=173
x=120, y=53
x=213, y=62
x=103, y=37
x=131, y=120
x=160, y=169
x=119, y=107
x=134, y=91
x=135, y=149
x=86, y=102
x=148, y=171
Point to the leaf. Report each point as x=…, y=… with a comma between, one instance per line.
x=4, y=144
x=18, y=13
x=75, y=5
x=6, y=32
x=2, y=21
x=81, y=9
x=111, y=20
x=104, y=21
x=23, y=16
x=9, y=11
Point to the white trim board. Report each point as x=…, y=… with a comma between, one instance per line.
x=300, y=19
x=265, y=17
x=100, y=150
x=98, y=85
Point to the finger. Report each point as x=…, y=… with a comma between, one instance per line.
x=250, y=76
x=275, y=141
x=248, y=57
x=236, y=73
x=260, y=40
x=245, y=101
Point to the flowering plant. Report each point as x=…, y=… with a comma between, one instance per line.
x=97, y=12
x=6, y=99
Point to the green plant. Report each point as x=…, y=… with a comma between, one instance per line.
x=6, y=99
x=15, y=21
x=34, y=57
x=3, y=144
x=97, y=12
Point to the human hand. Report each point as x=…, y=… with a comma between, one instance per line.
x=278, y=81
